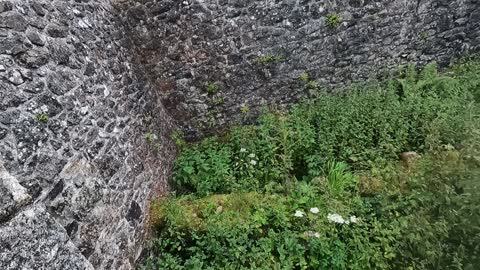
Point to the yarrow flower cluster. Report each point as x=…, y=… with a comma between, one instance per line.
x=312, y=234
x=336, y=218
x=353, y=219
x=251, y=156
x=313, y=210
x=299, y=213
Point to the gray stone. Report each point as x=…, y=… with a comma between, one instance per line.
x=35, y=38
x=59, y=83
x=7, y=204
x=3, y=132
x=13, y=21
x=5, y=6
x=35, y=88
x=37, y=7
x=9, y=117
x=33, y=58
x=57, y=31
x=34, y=240
x=12, y=45
x=61, y=53
x=15, y=77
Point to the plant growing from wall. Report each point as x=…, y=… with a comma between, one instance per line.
x=269, y=59
x=304, y=77
x=312, y=85
x=423, y=35
x=333, y=20
x=244, y=109
x=219, y=100
x=212, y=88
x=42, y=118
x=152, y=140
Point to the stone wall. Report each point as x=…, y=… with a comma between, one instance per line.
x=89, y=88
x=76, y=172
x=251, y=53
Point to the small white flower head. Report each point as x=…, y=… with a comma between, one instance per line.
x=299, y=213
x=314, y=210
x=335, y=218
x=312, y=234
x=253, y=162
x=353, y=219
x=252, y=155
x=243, y=150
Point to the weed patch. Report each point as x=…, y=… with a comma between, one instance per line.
x=384, y=176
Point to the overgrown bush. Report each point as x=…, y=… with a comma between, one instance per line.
x=322, y=187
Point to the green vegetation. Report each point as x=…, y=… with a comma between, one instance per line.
x=212, y=88
x=423, y=35
x=152, y=139
x=312, y=85
x=323, y=187
x=217, y=101
x=269, y=59
x=42, y=118
x=244, y=109
x=333, y=20
x=304, y=77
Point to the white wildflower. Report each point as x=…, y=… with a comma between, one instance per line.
x=299, y=213
x=252, y=155
x=335, y=218
x=353, y=219
x=312, y=234
x=314, y=210
x=243, y=150
x=253, y=162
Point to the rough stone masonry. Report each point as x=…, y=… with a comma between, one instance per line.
x=82, y=82
x=75, y=172
x=218, y=62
